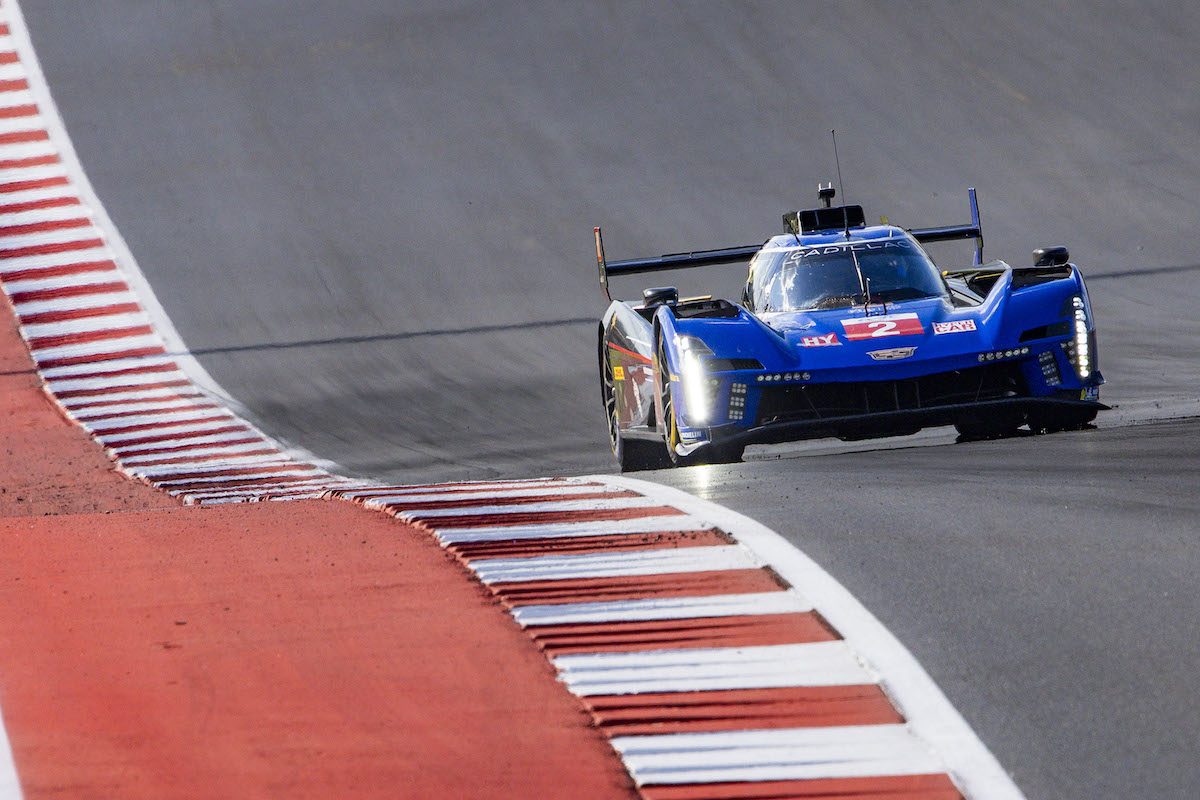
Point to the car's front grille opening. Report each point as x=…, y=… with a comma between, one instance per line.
x=825, y=400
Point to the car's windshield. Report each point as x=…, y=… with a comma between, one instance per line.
x=824, y=276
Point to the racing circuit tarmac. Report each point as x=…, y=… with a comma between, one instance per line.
x=371, y=224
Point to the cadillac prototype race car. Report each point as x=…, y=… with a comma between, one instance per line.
x=845, y=330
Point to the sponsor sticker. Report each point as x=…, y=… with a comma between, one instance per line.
x=1090, y=393
x=618, y=373
x=820, y=341
x=875, y=327
x=954, y=326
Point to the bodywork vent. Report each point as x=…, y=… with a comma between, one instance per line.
x=824, y=400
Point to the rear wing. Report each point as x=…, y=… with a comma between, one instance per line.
x=740, y=255
x=698, y=258
x=952, y=233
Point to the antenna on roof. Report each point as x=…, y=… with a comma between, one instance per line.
x=841, y=186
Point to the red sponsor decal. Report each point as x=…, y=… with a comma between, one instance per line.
x=874, y=327
x=954, y=326
x=820, y=341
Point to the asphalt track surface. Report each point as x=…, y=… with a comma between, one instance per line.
x=371, y=224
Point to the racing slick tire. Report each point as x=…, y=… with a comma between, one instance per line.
x=713, y=453
x=632, y=455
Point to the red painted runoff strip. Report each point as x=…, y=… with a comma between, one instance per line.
x=675, y=634
x=42, y=317
x=254, y=651
x=579, y=545
x=9, y=57
x=14, y=85
x=741, y=709
x=897, y=787
x=638, y=587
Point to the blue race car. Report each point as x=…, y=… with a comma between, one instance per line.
x=845, y=330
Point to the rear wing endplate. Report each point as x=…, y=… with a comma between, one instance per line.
x=698, y=258
x=952, y=233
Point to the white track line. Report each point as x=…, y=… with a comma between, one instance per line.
x=556, y=530
x=86, y=325
x=77, y=303
x=611, y=565
x=181, y=431
x=54, y=213
x=395, y=494
x=561, y=506
x=557, y=490
x=101, y=272
x=274, y=460
x=720, y=605
x=116, y=365
x=198, y=441
x=109, y=382
x=719, y=668
x=196, y=453
x=165, y=421
x=776, y=755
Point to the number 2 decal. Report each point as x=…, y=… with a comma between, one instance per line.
x=891, y=325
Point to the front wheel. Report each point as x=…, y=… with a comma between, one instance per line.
x=632, y=455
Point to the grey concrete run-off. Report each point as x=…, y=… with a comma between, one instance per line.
x=371, y=221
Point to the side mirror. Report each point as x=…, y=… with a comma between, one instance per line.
x=1051, y=256
x=661, y=296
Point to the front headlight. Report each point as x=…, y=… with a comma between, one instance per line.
x=1082, y=349
x=695, y=382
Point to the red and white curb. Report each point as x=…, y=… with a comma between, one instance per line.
x=719, y=661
